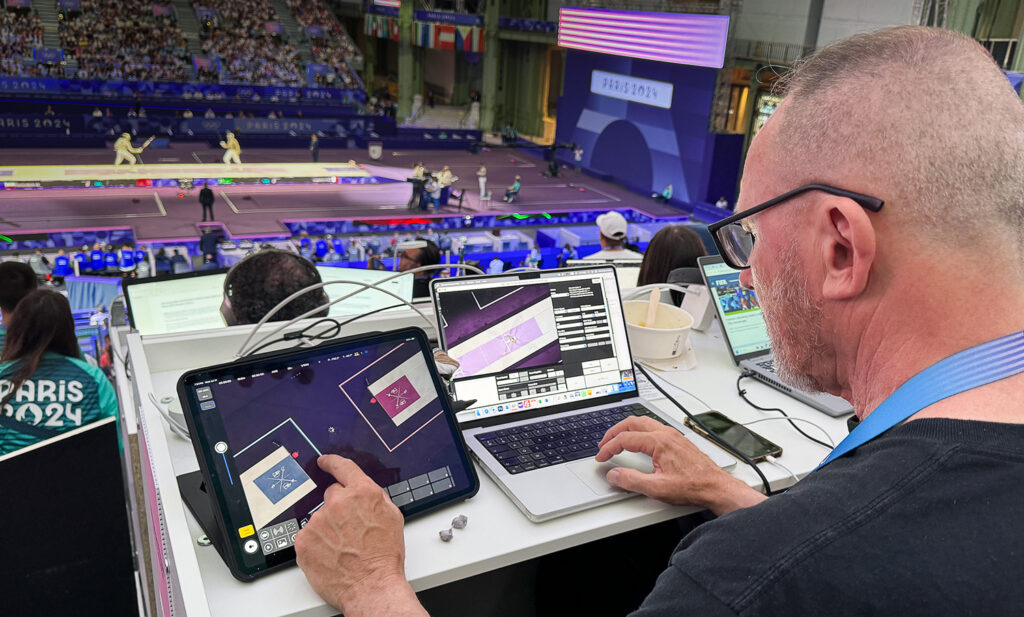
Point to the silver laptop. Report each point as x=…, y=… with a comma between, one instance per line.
x=746, y=334
x=545, y=359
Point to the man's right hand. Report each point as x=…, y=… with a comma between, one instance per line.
x=683, y=475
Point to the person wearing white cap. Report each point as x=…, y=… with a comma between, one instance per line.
x=613, y=238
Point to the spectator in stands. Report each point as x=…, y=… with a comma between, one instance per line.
x=82, y=259
x=61, y=267
x=97, y=258
x=497, y=266
x=722, y=203
x=41, y=351
x=209, y=240
x=613, y=227
x=259, y=282
x=162, y=263
x=16, y=281
x=179, y=263
x=673, y=247
x=209, y=115
x=97, y=113
x=187, y=114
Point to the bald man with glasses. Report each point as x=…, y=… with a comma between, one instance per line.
x=881, y=223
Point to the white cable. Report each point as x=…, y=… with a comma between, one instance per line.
x=683, y=390
x=828, y=437
x=362, y=286
x=375, y=285
x=177, y=429
x=771, y=460
x=521, y=269
x=245, y=348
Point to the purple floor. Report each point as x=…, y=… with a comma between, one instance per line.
x=246, y=210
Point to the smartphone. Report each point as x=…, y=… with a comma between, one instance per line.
x=752, y=445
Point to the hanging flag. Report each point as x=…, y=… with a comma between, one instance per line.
x=393, y=28
x=444, y=36
x=469, y=38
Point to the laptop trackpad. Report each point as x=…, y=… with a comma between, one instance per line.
x=593, y=473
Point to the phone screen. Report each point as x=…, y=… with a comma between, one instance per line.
x=752, y=445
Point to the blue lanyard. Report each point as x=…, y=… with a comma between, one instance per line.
x=964, y=370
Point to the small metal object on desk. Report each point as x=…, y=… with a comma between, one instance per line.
x=459, y=522
x=446, y=535
x=203, y=541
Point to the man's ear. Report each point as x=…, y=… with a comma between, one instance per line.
x=848, y=246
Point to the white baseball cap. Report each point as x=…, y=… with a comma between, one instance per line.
x=612, y=225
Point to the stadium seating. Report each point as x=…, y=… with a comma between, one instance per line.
x=124, y=39
x=19, y=33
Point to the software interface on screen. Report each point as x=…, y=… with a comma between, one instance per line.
x=193, y=303
x=738, y=309
x=626, y=272
x=529, y=342
x=266, y=425
x=177, y=305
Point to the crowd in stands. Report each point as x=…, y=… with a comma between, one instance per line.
x=137, y=40
x=332, y=49
x=20, y=31
x=124, y=39
x=248, y=53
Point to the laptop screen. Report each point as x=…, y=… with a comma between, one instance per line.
x=191, y=301
x=368, y=300
x=626, y=271
x=176, y=303
x=532, y=340
x=738, y=309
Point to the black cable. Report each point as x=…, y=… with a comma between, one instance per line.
x=708, y=433
x=743, y=395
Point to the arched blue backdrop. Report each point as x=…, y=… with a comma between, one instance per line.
x=645, y=147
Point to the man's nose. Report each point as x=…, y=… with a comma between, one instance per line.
x=746, y=279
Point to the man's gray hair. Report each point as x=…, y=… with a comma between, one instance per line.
x=919, y=117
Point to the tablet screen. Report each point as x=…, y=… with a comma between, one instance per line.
x=259, y=426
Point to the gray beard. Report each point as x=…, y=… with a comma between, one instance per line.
x=794, y=328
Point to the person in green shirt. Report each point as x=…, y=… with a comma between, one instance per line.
x=16, y=280
x=46, y=388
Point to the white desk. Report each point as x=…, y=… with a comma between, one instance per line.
x=198, y=583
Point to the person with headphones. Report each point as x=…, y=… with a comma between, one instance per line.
x=259, y=282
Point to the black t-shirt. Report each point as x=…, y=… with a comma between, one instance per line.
x=926, y=520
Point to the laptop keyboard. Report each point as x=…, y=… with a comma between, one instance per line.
x=552, y=442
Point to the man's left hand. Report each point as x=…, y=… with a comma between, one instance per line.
x=352, y=551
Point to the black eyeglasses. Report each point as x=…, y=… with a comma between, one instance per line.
x=735, y=242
